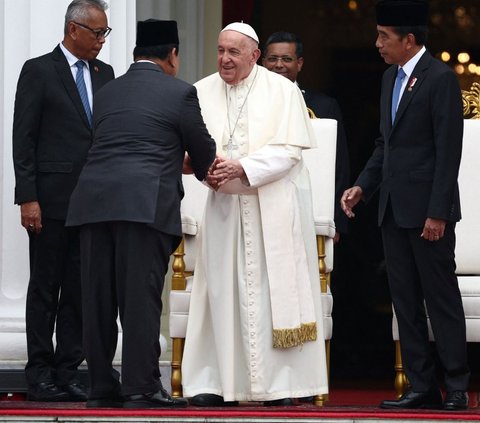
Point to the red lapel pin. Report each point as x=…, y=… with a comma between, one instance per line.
x=411, y=83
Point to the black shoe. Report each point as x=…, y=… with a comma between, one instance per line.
x=46, y=391
x=211, y=400
x=456, y=400
x=159, y=399
x=75, y=391
x=106, y=402
x=306, y=399
x=279, y=402
x=411, y=400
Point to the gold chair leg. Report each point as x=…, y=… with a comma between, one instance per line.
x=321, y=400
x=178, y=268
x=322, y=266
x=176, y=378
x=178, y=283
x=401, y=381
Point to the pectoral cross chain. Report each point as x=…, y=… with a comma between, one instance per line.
x=230, y=146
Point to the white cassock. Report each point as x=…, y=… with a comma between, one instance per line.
x=252, y=237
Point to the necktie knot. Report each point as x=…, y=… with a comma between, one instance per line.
x=82, y=90
x=396, y=91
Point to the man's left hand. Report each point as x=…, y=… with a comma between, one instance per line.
x=187, y=165
x=336, y=238
x=433, y=229
x=228, y=170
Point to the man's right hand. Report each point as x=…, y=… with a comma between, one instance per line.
x=31, y=216
x=211, y=179
x=349, y=200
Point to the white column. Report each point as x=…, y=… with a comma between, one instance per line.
x=30, y=28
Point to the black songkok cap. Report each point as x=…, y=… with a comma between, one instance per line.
x=153, y=32
x=402, y=12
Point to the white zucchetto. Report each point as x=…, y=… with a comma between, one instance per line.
x=243, y=28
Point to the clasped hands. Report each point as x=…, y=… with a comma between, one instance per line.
x=224, y=170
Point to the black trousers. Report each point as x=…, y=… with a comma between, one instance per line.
x=123, y=271
x=54, y=301
x=420, y=270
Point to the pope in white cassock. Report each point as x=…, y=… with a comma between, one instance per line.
x=255, y=330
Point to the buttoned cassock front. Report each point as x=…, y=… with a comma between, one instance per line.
x=228, y=347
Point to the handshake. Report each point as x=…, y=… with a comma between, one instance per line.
x=220, y=172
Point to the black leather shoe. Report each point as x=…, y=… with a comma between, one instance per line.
x=279, y=402
x=411, y=400
x=159, y=399
x=106, y=402
x=75, y=391
x=211, y=400
x=306, y=399
x=456, y=400
x=46, y=391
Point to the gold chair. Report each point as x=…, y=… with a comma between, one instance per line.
x=320, y=162
x=193, y=205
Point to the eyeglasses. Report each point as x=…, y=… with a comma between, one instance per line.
x=99, y=33
x=284, y=59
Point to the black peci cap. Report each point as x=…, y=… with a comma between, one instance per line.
x=402, y=12
x=153, y=32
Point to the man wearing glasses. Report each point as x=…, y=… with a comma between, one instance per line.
x=52, y=134
x=283, y=54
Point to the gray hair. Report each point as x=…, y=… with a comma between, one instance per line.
x=77, y=10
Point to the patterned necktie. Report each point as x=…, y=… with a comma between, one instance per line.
x=396, y=92
x=82, y=90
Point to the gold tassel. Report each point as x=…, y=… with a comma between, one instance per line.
x=288, y=338
x=309, y=331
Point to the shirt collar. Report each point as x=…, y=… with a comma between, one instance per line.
x=146, y=61
x=410, y=65
x=71, y=59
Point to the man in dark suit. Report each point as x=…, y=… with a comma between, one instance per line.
x=51, y=136
x=283, y=54
x=415, y=165
x=127, y=202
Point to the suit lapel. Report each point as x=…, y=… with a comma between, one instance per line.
x=413, y=85
x=65, y=74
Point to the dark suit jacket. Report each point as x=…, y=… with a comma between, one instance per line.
x=144, y=122
x=416, y=160
x=327, y=107
x=51, y=134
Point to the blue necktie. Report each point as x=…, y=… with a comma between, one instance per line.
x=396, y=92
x=82, y=90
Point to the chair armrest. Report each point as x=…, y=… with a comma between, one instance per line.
x=324, y=226
x=189, y=225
